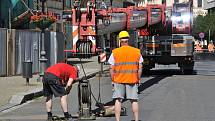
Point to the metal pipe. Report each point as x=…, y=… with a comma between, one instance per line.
x=111, y=3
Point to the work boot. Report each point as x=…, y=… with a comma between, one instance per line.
x=68, y=117
x=49, y=118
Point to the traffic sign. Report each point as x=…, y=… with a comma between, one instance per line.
x=102, y=57
x=201, y=35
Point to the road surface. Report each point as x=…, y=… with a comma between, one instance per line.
x=166, y=95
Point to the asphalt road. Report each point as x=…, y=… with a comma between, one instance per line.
x=166, y=95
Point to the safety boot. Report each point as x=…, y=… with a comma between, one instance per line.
x=68, y=117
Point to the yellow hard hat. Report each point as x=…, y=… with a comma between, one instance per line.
x=123, y=34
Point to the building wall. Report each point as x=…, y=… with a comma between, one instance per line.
x=4, y=10
x=17, y=8
x=57, y=6
x=197, y=5
x=198, y=8
x=168, y=2
x=209, y=4
x=144, y=2
x=199, y=11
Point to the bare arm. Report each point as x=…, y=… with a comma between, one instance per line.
x=111, y=72
x=140, y=71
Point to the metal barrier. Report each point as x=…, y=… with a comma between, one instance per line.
x=27, y=49
x=3, y=52
x=28, y=43
x=54, y=44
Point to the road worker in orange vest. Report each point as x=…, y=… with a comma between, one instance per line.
x=211, y=47
x=198, y=48
x=125, y=70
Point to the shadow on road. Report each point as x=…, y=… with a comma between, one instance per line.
x=158, y=75
x=150, y=82
x=143, y=86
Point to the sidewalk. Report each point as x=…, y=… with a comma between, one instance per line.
x=12, y=85
x=13, y=89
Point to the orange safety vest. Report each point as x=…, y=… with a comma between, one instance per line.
x=198, y=48
x=126, y=62
x=210, y=47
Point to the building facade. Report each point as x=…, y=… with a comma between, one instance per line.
x=198, y=8
x=198, y=5
x=209, y=5
x=11, y=9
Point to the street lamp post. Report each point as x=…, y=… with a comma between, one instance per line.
x=43, y=59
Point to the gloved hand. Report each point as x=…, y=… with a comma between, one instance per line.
x=68, y=90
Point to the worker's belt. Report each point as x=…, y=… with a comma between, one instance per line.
x=126, y=63
x=126, y=71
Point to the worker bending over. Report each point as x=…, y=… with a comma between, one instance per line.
x=57, y=81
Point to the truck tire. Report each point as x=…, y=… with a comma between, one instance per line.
x=146, y=71
x=182, y=70
x=186, y=69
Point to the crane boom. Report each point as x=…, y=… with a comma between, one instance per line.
x=95, y=20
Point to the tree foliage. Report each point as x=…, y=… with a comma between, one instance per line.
x=204, y=24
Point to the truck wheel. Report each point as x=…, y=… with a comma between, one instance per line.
x=182, y=69
x=187, y=70
x=146, y=71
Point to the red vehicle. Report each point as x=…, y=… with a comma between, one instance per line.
x=175, y=46
x=94, y=26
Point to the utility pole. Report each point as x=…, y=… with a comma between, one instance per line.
x=209, y=36
x=111, y=3
x=43, y=59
